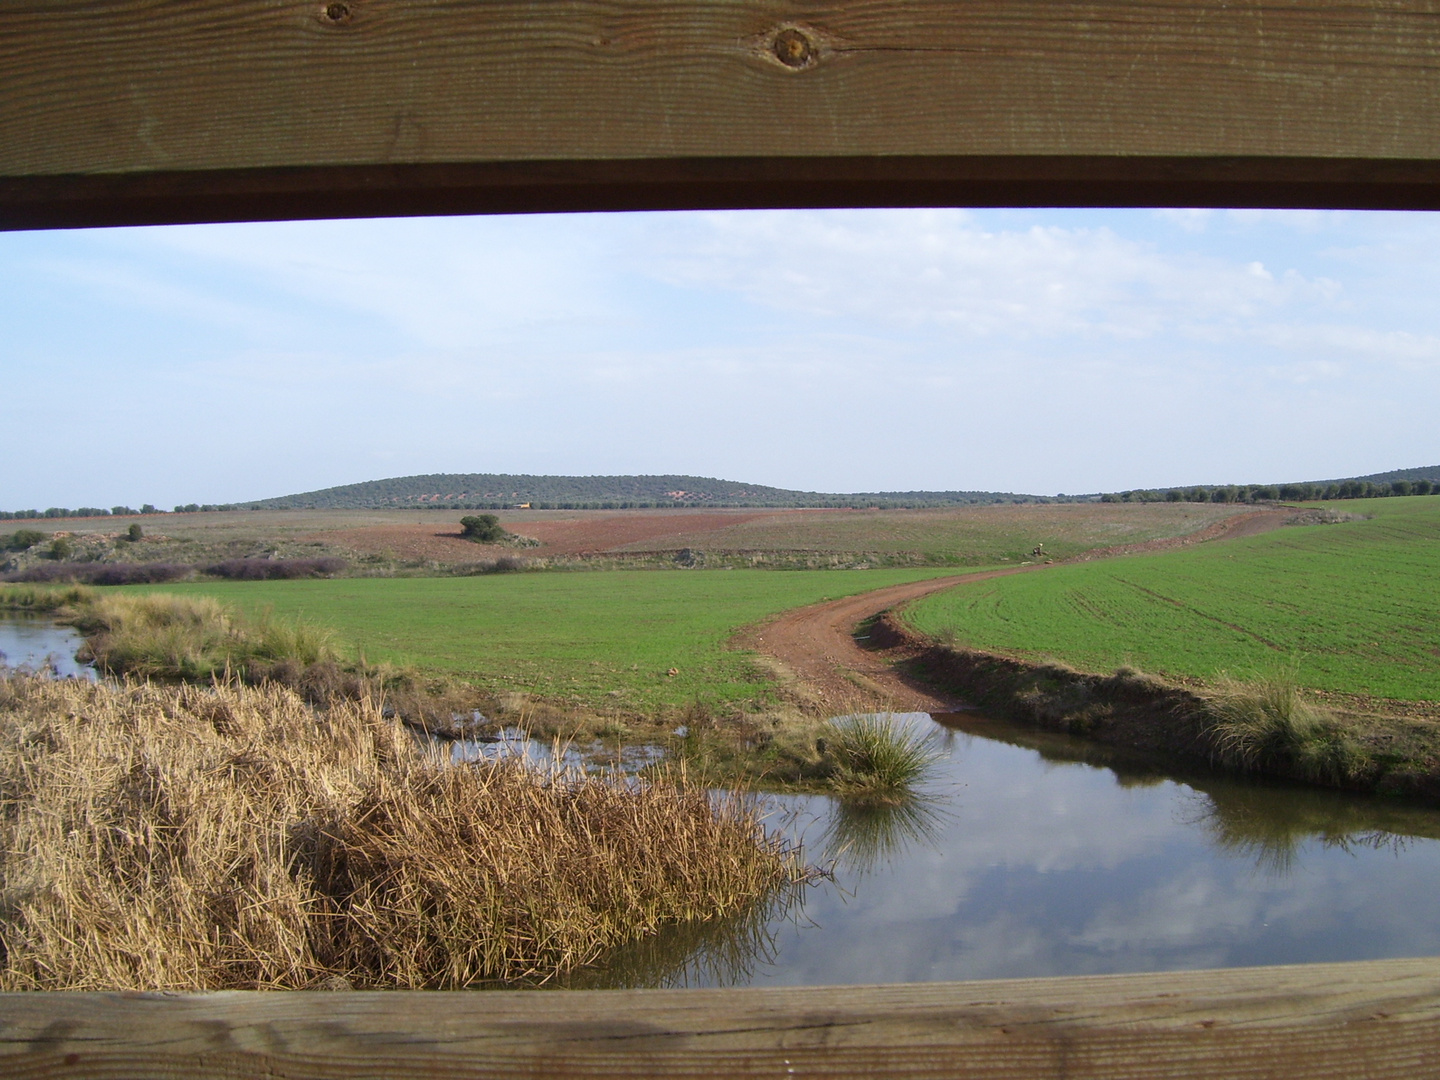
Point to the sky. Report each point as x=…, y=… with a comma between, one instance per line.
x=1039, y=351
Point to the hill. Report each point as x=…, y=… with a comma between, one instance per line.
x=496, y=491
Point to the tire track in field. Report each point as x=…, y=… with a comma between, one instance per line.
x=814, y=649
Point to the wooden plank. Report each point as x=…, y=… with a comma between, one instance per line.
x=1375, y=1020
x=116, y=111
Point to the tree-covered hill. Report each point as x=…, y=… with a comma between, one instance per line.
x=493, y=491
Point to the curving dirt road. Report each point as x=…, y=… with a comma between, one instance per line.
x=814, y=649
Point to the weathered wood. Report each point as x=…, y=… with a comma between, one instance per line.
x=1375, y=1020
x=116, y=111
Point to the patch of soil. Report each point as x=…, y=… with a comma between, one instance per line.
x=559, y=534
x=592, y=535
x=412, y=543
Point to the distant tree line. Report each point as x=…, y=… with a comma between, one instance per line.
x=114, y=511
x=1256, y=493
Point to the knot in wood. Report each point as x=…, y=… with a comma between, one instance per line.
x=337, y=14
x=793, y=49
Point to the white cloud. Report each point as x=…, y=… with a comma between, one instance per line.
x=941, y=268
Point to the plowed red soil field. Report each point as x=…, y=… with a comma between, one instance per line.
x=559, y=534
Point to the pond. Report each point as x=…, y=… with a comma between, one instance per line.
x=1031, y=855
x=35, y=641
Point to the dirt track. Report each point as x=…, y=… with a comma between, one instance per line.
x=816, y=645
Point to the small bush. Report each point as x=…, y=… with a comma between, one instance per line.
x=483, y=529
x=135, y=533
x=22, y=539
x=60, y=549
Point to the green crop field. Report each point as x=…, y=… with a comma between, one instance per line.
x=599, y=638
x=1354, y=606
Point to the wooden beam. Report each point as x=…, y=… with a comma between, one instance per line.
x=130, y=111
x=1378, y=1020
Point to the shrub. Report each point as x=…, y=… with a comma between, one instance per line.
x=23, y=539
x=276, y=569
x=59, y=549
x=101, y=573
x=482, y=528
x=132, y=573
x=135, y=533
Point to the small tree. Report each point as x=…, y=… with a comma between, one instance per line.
x=482, y=528
x=135, y=533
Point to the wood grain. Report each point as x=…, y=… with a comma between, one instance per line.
x=130, y=110
x=1376, y=1020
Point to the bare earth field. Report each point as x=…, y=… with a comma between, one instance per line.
x=962, y=536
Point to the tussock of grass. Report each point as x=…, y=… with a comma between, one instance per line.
x=1264, y=722
x=876, y=755
x=39, y=598
x=194, y=637
x=180, y=838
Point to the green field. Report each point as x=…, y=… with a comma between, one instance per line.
x=601, y=638
x=1354, y=606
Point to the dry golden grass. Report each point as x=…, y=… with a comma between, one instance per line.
x=193, y=637
x=192, y=838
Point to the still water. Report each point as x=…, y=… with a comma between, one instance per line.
x=1033, y=855
x=34, y=642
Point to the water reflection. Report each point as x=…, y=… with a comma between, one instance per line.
x=725, y=952
x=1032, y=854
x=861, y=836
x=1272, y=826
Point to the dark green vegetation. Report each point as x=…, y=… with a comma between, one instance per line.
x=635, y=640
x=1423, y=481
x=21, y=539
x=1354, y=607
x=483, y=529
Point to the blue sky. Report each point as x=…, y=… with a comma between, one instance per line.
x=1039, y=351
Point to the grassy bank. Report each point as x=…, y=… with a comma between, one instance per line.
x=1263, y=723
x=1352, y=608
x=636, y=641
x=186, y=838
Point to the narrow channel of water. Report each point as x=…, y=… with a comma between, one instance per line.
x=1033, y=855
x=34, y=642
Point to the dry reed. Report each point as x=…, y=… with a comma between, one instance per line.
x=193, y=637
x=190, y=838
